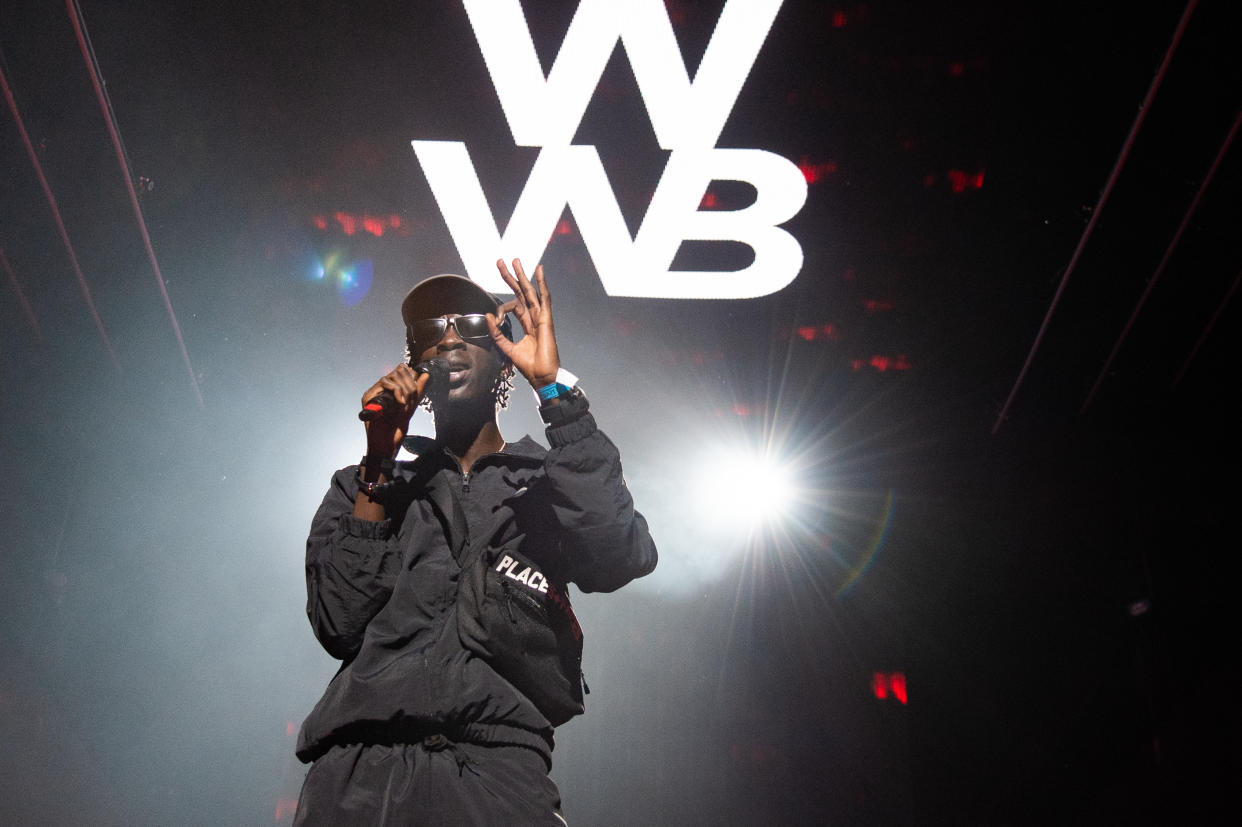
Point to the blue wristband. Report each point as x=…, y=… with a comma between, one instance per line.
x=552, y=391
x=563, y=385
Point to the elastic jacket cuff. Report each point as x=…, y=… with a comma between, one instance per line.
x=572, y=431
x=365, y=529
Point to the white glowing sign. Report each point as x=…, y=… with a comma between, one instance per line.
x=687, y=118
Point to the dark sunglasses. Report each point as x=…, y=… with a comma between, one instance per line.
x=427, y=332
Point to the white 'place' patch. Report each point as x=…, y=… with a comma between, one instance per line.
x=528, y=576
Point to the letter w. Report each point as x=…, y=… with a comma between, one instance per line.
x=546, y=112
x=562, y=175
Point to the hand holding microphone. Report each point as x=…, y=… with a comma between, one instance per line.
x=388, y=404
x=385, y=405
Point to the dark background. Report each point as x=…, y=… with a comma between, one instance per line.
x=1055, y=589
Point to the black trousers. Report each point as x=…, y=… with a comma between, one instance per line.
x=433, y=782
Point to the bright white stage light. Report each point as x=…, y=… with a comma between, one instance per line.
x=745, y=490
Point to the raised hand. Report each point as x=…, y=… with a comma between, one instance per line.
x=535, y=356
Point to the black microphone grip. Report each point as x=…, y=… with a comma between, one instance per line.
x=384, y=404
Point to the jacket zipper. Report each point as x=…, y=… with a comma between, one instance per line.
x=465, y=475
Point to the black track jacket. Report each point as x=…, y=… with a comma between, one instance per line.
x=382, y=595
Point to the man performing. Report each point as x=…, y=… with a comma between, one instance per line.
x=441, y=582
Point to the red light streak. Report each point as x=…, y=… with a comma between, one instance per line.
x=882, y=363
x=738, y=409
x=813, y=172
x=348, y=223
x=877, y=305
x=811, y=333
x=114, y=132
x=886, y=684
x=1143, y=109
x=897, y=682
x=840, y=18
x=27, y=310
x=60, y=225
x=961, y=181
x=959, y=68
x=286, y=806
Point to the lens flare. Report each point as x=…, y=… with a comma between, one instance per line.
x=352, y=279
x=355, y=281
x=745, y=490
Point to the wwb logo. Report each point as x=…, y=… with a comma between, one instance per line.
x=687, y=119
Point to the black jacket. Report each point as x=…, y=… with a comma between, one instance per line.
x=382, y=595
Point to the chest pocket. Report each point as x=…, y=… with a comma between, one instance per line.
x=515, y=616
x=520, y=622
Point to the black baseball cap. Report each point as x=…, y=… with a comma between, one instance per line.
x=449, y=293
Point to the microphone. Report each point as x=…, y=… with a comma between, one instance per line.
x=384, y=404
